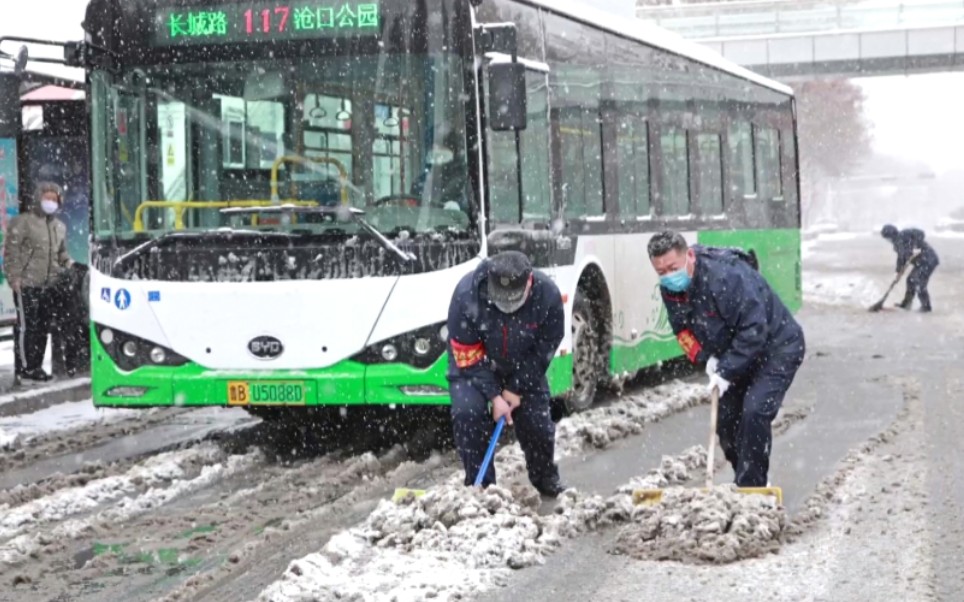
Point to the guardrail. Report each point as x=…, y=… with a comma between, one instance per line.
x=767, y=17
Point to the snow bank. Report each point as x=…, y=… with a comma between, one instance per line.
x=695, y=526
x=456, y=541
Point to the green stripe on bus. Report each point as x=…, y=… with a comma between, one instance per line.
x=779, y=255
x=345, y=383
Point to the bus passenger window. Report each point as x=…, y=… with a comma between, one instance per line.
x=676, y=171
x=710, y=174
x=327, y=145
x=744, y=167
x=632, y=154
x=391, y=152
x=253, y=132
x=768, y=153
x=503, y=178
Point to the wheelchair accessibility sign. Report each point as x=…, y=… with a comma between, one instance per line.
x=122, y=299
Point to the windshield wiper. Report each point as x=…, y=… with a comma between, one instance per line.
x=354, y=213
x=221, y=233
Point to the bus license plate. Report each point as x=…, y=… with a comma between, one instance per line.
x=242, y=393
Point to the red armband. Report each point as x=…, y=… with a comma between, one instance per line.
x=467, y=355
x=691, y=347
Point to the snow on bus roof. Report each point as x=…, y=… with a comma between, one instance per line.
x=653, y=35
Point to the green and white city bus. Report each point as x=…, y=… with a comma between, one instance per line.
x=284, y=194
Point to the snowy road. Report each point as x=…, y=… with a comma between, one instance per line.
x=891, y=520
x=212, y=505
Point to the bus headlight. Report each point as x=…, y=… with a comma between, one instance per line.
x=131, y=352
x=157, y=355
x=422, y=346
x=419, y=348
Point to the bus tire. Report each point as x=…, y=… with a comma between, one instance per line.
x=586, y=355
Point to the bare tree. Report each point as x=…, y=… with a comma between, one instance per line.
x=834, y=135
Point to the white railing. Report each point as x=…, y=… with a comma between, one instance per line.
x=756, y=17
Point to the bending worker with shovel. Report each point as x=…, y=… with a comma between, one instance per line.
x=724, y=314
x=505, y=323
x=912, y=250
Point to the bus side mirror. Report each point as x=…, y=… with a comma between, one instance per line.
x=507, y=96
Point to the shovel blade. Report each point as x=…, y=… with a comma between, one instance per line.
x=402, y=493
x=651, y=497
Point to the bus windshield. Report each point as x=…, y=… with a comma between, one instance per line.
x=180, y=143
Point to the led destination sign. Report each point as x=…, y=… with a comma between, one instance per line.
x=233, y=23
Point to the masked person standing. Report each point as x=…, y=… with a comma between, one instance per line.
x=35, y=253
x=505, y=323
x=725, y=315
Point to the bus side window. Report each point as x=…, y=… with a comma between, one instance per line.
x=504, y=163
x=744, y=164
x=632, y=148
x=769, y=165
x=674, y=149
x=710, y=173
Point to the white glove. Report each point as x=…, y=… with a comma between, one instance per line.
x=711, y=365
x=718, y=382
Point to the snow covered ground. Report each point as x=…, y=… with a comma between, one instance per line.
x=854, y=289
x=60, y=417
x=458, y=541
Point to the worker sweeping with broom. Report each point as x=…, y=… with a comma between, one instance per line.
x=725, y=315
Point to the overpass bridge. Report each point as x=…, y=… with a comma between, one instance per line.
x=799, y=39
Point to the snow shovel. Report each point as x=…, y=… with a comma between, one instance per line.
x=402, y=493
x=880, y=304
x=650, y=497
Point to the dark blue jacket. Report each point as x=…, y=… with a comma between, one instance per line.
x=730, y=311
x=497, y=351
x=906, y=242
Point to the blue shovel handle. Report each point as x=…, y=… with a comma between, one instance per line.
x=491, y=451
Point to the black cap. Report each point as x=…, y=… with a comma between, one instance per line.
x=889, y=231
x=508, y=276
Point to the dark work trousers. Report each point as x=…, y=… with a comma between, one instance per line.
x=69, y=336
x=917, y=285
x=747, y=410
x=473, y=426
x=35, y=309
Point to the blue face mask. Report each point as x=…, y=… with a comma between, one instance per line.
x=677, y=281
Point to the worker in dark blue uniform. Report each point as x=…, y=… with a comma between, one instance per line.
x=505, y=324
x=911, y=247
x=725, y=315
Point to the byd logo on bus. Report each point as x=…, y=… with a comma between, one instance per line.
x=265, y=347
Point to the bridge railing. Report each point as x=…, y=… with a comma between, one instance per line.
x=768, y=17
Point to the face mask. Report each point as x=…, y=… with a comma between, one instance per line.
x=677, y=281
x=49, y=207
x=511, y=309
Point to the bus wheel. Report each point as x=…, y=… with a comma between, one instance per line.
x=585, y=355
